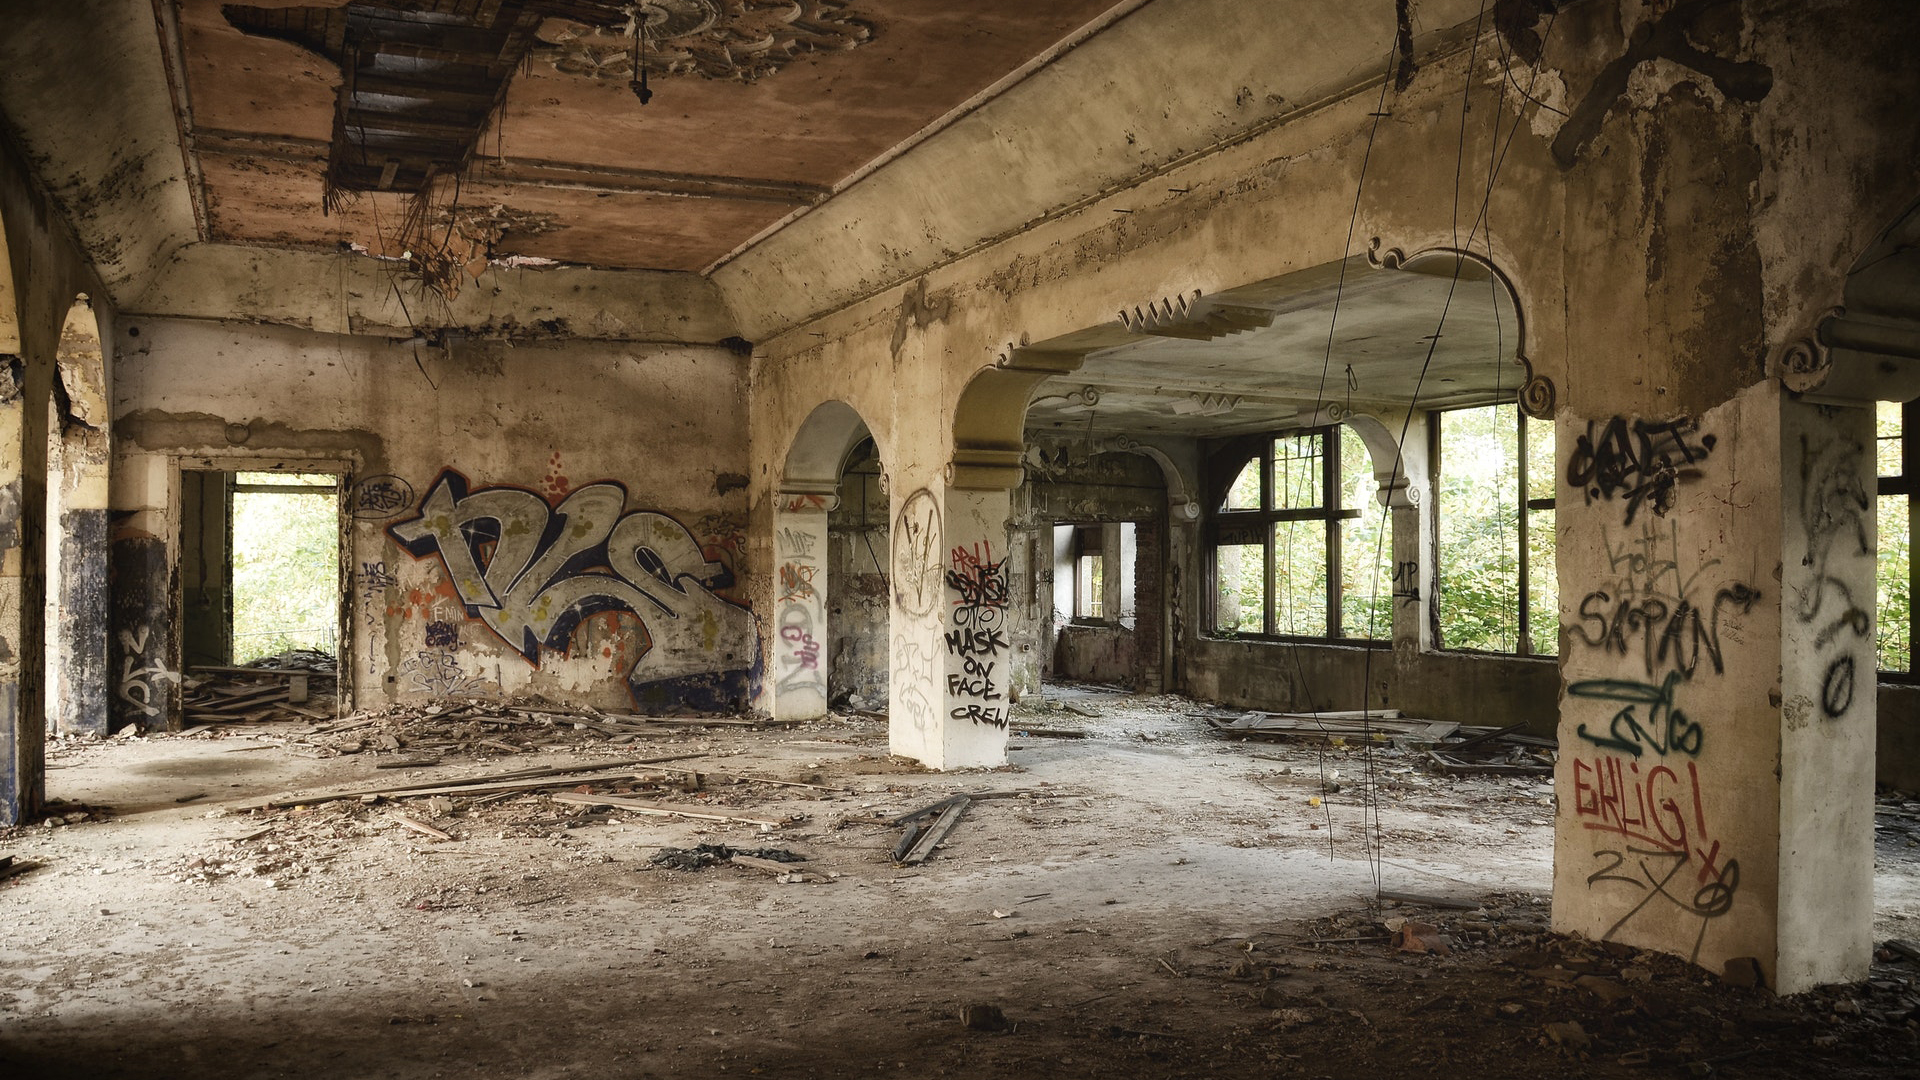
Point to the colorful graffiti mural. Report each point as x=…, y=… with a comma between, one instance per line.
x=532, y=569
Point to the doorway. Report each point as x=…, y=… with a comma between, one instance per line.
x=260, y=584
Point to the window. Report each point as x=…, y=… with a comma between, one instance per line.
x=1089, y=573
x=1498, y=591
x=1894, y=569
x=1295, y=551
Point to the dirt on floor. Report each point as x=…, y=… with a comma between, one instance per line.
x=1152, y=899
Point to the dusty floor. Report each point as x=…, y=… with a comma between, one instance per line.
x=1144, y=904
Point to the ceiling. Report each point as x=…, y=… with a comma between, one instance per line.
x=1257, y=358
x=760, y=108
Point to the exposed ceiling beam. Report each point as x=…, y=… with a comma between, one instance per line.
x=529, y=172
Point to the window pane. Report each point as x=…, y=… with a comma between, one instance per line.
x=1543, y=582
x=1092, y=586
x=1366, y=547
x=1540, y=475
x=1886, y=424
x=1245, y=492
x=1895, y=585
x=1298, y=461
x=1300, y=577
x=1479, y=529
x=1238, y=603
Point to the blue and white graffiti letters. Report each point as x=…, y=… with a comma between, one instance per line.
x=978, y=638
x=532, y=571
x=1640, y=462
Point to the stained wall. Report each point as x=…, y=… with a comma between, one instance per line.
x=563, y=520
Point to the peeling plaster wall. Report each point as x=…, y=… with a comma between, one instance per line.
x=45, y=271
x=559, y=519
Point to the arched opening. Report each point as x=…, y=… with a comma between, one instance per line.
x=830, y=585
x=78, y=450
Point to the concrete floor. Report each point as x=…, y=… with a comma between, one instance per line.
x=1113, y=894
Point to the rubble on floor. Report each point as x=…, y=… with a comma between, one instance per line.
x=299, y=684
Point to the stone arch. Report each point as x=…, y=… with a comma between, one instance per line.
x=78, y=449
x=1537, y=393
x=807, y=497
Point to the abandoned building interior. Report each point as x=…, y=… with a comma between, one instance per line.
x=1225, y=441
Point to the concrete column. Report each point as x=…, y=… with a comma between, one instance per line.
x=1405, y=490
x=77, y=630
x=1716, y=769
x=25, y=390
x=799, y=664
x=142, y=656
x=976, y=701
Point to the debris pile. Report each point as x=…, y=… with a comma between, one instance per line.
x=297, y=685
x=1449, y=747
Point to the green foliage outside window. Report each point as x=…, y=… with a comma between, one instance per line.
x=286, y=566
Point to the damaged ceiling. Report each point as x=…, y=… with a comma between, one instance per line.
x=1440, y=330
x=314, y=125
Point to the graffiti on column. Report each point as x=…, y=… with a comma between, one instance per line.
x=438, y=672
x=1836, y=512
x=1653, y=609
x=1656, y=620
x=143, y=678
x=1654, y=823
x=1639, y=462
x=798, y=599
x=913, y=675
x=978, y=638
x=531, y=571
x=917, y=570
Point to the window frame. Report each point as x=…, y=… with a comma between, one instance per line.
x=1906, y=482
x=1264, y=519
x=1523, y=629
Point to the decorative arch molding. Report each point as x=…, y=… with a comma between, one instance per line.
x=1397, y=489
x=1866, y=348
x=1538, y=395
x=818, y=454
x=990, y=419
x=1183, y=504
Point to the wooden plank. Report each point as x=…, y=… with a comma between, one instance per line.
x=1425, y=900
x=422, y=827
x=926, y=811
x=937, y=832
x=702, y=813
x=771, y=866
x=314, y=798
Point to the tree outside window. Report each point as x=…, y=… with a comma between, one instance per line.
x=1894, y=569
x=1300, y=548
x=1498, y=591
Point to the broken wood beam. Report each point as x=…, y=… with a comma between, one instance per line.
x=317, y=797
x=638, y=806
x=422, y=827
x=938, y=831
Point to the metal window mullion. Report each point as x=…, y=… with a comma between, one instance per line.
x=1267, y=591
x=1330, y=508
x=1524, y=643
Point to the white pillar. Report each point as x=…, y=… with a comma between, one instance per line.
x=799, y=652
x=1716, y=766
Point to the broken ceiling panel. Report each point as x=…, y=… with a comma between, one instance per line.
x=762, y=108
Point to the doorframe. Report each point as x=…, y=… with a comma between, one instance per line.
x=343, y=467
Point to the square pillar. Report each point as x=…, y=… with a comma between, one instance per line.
x=1716, y=757
x=799, y=663
x=25, y=392
x=951, y=690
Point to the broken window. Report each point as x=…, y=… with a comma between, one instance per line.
x=1894, y=568
x=1498, y=590
x=1295, y=554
